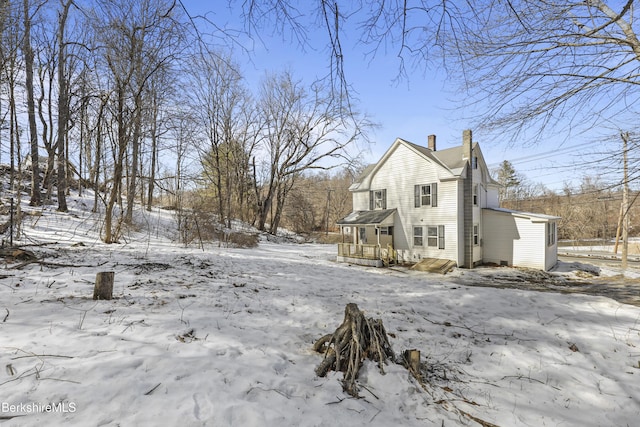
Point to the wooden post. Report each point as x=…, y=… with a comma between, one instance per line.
x=625, y=202
x=104, y=285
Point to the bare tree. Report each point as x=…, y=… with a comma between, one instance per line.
x=220, y=105
x=138, y=40
x=528, y=65
x=31, y=108
x=155, y=43
x=303, y=127
x=63, y=106
x=46, y=80
x=537, y=65
x=10, y=75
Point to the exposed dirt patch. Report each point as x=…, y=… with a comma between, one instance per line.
x=623, y=289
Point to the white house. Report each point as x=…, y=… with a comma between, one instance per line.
x=417, y=202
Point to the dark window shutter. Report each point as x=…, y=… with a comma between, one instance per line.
x=384, y=199
x=416, y=196
x=434, y=194
x=441, y=237
x=370, y=200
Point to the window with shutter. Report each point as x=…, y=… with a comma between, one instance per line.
x=425, y=195
x=377, y=199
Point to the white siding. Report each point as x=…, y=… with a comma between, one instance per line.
x=516, y=240
x=529, y=250
x=551, y=257
x=499, y=231
x=509, y=238
x=361, y=201
x=404, y=169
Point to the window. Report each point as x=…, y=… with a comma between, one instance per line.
x=426, y=195
x=432, y=237
x=417, y=236
x=474, y=162
x=377, y=199
x=476, y=237
x=475, y=195
x=385, y=231
x=435, y=236
x=551, y=233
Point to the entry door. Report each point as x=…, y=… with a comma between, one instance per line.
x=362, y=235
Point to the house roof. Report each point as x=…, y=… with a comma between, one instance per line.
x=451, y=158
x=365, y=172
x=376, y=217
x=536, y=217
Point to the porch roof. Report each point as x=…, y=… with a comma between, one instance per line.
x=376, y=217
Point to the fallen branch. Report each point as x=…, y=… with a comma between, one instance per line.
x=54, y=264
x=42, y=355
x=6, y=317
x=411, y=361
x=152, y=390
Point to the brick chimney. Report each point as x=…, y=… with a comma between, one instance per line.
x=432, y=142
x=467, y=144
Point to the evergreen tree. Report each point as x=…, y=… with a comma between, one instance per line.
x=509, y=180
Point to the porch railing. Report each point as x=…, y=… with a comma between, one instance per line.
x=352, y=250
x=359, y=251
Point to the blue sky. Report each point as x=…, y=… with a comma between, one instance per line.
x=410, y=108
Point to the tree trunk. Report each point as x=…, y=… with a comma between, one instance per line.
x=135, y=152
x=121, y=147
x=63, y=110
x=154, y=153
x=36, y=196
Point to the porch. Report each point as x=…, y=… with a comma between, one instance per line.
x=363, y=254
x=360, y=227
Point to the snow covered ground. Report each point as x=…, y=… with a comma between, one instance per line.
x=222, y=337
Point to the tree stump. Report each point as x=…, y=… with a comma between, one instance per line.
x=412, y=360
x=355, y=340
x=103, y=288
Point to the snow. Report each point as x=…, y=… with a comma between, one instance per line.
x=223, y=337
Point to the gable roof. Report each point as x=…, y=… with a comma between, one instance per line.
x=451, y=158
x=360, y=178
